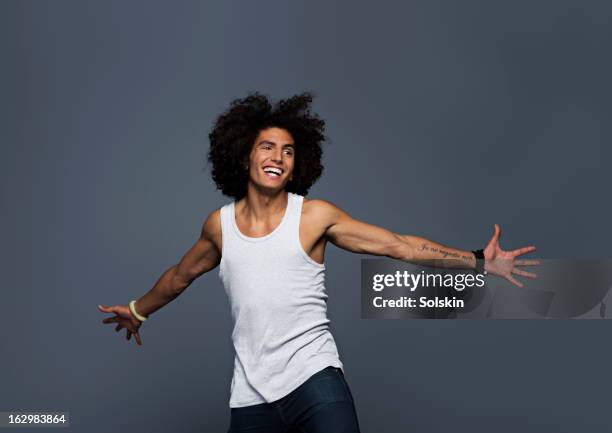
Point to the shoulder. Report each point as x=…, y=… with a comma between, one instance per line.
x=321, y=210
x=318, y=205
x=211, y=226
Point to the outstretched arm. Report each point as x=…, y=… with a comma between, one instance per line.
x=356, y=236
x=201, y=257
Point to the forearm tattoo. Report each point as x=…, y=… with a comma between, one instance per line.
x=444, y=254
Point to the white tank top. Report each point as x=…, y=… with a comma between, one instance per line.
x=278, y=301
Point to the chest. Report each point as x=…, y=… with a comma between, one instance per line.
x=311, y=232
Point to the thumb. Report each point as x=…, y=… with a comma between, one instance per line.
x=497, y=232
x=495, y=238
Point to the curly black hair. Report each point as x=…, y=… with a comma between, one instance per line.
x=235, y=131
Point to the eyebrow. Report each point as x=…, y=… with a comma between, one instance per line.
x=274, y=144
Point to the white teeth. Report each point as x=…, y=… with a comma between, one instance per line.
x=273, y=170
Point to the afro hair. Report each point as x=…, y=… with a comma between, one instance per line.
x=235, y=131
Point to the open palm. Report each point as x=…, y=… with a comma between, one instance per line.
x=503, y=263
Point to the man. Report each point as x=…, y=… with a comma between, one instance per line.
x=269, y=244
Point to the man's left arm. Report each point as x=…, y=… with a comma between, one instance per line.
x=359, y=237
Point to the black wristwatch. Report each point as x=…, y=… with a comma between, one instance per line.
x=480, y=261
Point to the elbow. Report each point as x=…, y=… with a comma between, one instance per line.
x=181, y=284
x=180, y=281
x=400, y=250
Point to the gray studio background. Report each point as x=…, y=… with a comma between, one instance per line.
x=444, y=118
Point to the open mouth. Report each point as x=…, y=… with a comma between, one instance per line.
x=273, y=172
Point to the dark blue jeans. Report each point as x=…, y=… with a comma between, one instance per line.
x=322, y=404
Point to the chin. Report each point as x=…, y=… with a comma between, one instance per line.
x=270, y=189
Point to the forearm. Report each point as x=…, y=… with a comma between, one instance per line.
x=166, y=289
x=425, y=251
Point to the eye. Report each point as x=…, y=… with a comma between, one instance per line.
x=289, y=151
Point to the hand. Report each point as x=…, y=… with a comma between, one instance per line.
x=502, y=263
x=124, y=319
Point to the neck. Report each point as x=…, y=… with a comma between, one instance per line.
x=262, y=205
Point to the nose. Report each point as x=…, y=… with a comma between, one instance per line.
x=278, y=156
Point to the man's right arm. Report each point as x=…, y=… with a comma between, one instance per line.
x=201, y=257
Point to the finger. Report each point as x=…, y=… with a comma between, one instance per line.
x=524, y=273
x=138, y=339
x=523, y=250
x=112, y=309
x=514, y=281
x=103, y=308
x=118, y=328
x=496, y=232
x=128, y=334
x=111, y=319
x=526, y=262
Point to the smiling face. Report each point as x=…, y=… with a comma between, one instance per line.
x=272, y=159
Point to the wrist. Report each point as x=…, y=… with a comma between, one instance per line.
x=132, y=306
x=135, y=321
x=480, y=262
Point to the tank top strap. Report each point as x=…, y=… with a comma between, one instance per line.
x=227, y=213
x=292, y=200
x=292, y=217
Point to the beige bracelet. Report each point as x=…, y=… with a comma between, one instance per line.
x=135, y=313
